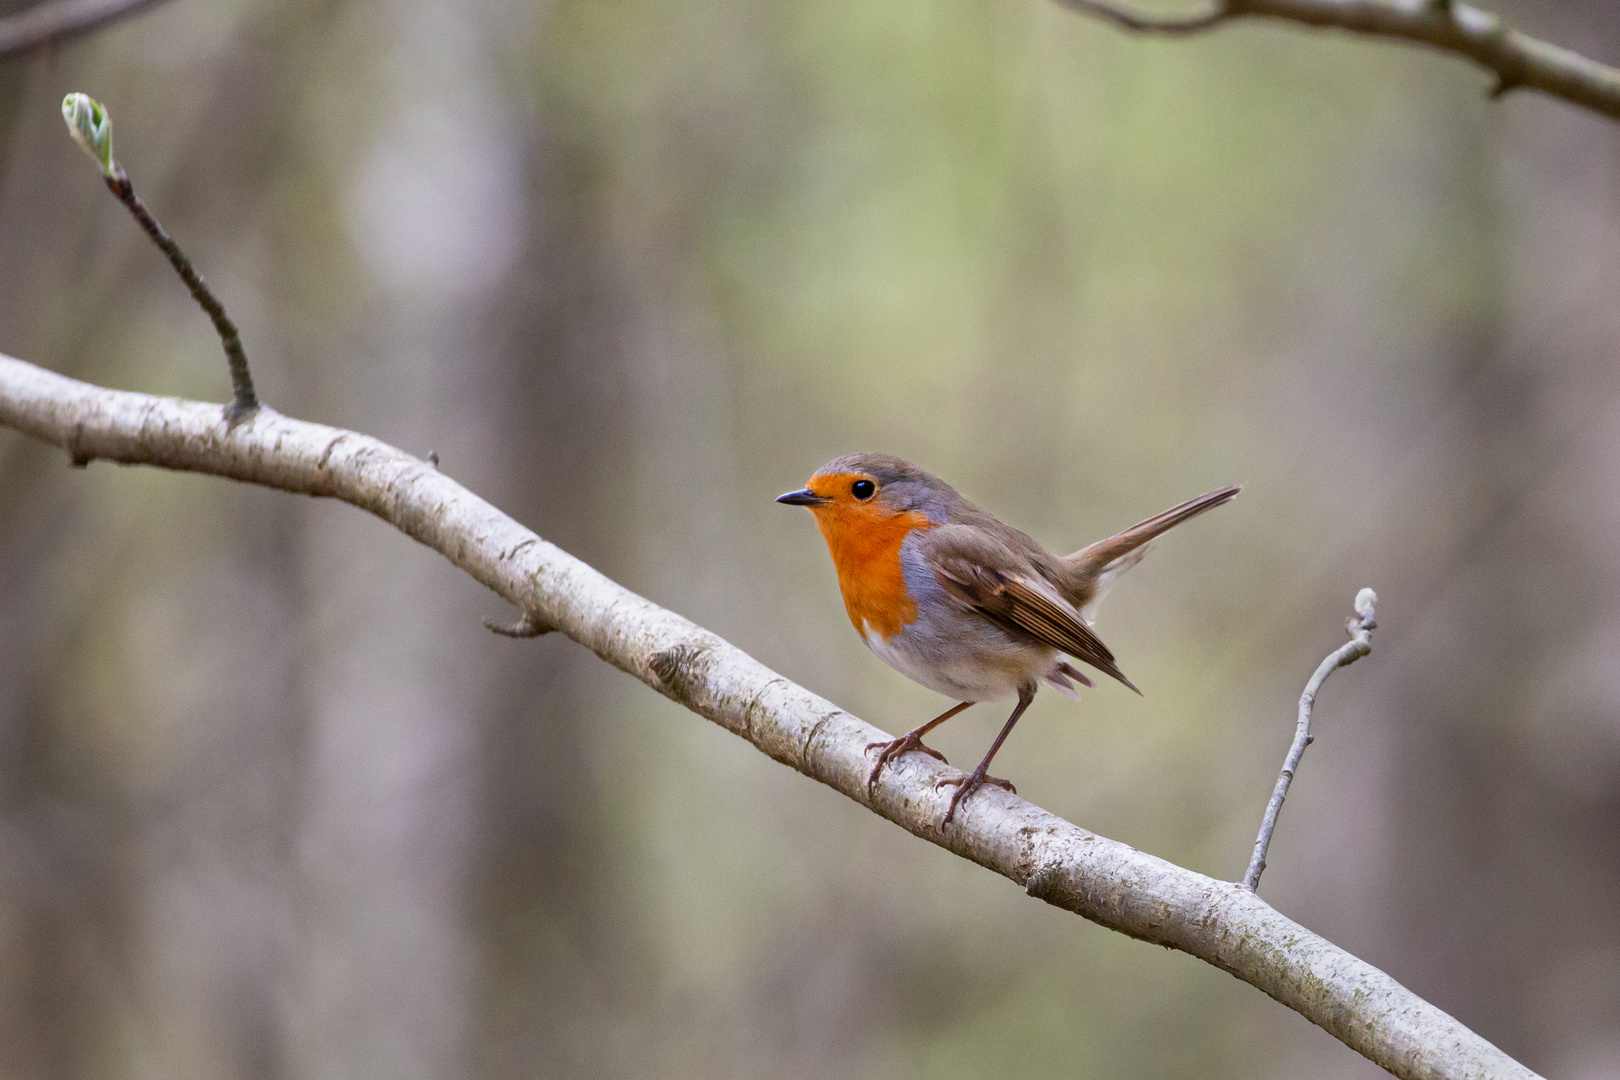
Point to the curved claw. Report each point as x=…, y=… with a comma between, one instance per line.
x=894, y=748
x=967, y=785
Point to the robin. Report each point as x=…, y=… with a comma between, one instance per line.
x=954, y=599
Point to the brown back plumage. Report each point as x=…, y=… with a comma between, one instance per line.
x=1011, y=589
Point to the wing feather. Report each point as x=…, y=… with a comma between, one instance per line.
x=1018, y=599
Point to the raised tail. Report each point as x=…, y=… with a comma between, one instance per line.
x=1090, y=571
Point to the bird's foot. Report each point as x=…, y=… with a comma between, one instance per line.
x=967, y=785
x=894, y=748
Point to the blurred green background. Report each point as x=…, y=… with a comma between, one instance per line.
x=274, y=804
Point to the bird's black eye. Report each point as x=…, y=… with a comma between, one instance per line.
x=863, y=489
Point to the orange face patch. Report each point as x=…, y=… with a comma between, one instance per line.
x=864, y=539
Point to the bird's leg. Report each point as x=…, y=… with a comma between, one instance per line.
x=911, y=740
x=979, y=777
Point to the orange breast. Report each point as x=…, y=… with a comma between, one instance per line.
x=865, y=545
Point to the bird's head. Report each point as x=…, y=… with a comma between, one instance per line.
x=863, y=490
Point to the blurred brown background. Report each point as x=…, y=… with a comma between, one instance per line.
x=274, y=804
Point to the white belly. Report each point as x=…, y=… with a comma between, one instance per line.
x=990, y=669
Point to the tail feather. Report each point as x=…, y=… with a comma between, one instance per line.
x=1092, y=569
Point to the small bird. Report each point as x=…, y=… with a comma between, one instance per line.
x=954, y=599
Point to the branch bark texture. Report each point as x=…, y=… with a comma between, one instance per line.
x=58, y=20
x=1103, y=880
x=1514, y=57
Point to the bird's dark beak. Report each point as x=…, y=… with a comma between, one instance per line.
x=802, y=497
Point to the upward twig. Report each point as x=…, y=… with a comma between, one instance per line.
x=1361, y=626
x=244, y=399
x=91, y=127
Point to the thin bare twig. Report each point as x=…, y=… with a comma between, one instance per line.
x=57, y=20
x=244, y=399
x=1102, y=880
x=90, y=125
x=1361, y=626
x=1131, y=19
x=1515, y=58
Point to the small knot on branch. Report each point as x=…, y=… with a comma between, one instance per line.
x=236, y=413
x=1047, y=883
x=1505, y=85
x=527, y=627
x=679, y=669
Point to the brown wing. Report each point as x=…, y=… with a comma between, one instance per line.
x=1015, y=597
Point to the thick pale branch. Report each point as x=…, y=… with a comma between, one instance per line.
x=57, y=20
x=1515, y=58
x=1105, y=881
